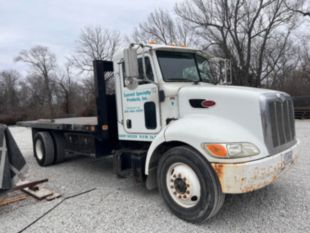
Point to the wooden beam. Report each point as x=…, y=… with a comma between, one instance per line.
x=11, y=200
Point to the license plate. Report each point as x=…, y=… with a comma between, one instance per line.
x=287, y=157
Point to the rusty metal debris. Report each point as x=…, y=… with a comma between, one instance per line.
x=55, y=206
x=33, y=189
x=26, y=184
x=29, y=188
x=38, y=193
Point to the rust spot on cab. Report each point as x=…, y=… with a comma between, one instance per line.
x=219, y=170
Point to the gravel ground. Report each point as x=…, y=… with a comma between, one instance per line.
x=121, y=205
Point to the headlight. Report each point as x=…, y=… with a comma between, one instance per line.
x=231, y=150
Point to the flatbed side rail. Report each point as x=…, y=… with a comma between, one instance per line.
x=81, y=124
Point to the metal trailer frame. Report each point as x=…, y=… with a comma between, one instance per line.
x=96, y=136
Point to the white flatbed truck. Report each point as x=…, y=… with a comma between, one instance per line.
x=174, y=129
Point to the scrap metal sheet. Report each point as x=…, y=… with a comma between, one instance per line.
x=12, y=161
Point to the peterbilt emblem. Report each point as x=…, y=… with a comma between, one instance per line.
x=201, y=103
x=207, y=103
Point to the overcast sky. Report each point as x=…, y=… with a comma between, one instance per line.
x=57, y=23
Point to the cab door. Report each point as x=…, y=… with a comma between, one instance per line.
x=141, y=113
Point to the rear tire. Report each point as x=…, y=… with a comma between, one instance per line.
x=44, y=148
x=59, y=141
x=189, y=185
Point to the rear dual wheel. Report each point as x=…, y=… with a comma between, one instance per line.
x=48, y=148
x=189, y=185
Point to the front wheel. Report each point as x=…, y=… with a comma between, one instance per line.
x=189, y=185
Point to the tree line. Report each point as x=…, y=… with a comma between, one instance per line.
x=258, y=36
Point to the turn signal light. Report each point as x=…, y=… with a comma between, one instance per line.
x=231, y=150
x=217, y=150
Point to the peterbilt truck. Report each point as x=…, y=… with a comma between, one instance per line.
x=171, y=125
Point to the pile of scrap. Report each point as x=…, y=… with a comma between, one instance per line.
x=13, y=186
x=23, y=189
x=34, y=189
x=12, y=162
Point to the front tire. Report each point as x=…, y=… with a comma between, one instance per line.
x=44, y=151
x=189, y=185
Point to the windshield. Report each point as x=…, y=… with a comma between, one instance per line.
x=184, y=67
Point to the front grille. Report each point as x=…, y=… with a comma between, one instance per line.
x=278, y=121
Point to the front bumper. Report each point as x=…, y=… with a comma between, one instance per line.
x=249, y=176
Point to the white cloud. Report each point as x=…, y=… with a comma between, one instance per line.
x=57, y=23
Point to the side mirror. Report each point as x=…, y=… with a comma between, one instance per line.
x=131, y=68
x=131, y=63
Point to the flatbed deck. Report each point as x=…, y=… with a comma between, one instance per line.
x=81, y=124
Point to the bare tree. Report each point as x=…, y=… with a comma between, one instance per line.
x=305, y=56
x=67, y=87
x=162, y=28
x=88, y=92
x=9, y=91
x=94, y=44
x=298, y=7
x=43, y=65
x=242, y=30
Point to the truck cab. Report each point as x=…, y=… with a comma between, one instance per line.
x=173, y=126
x=170, y=99
x=162, y=71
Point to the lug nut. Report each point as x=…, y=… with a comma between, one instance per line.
x=184, y=196
x=175, y=193
x=174, y=176
x=180, y=196
x=187, y=192
x=180, y=175
x=172, y=186
x=172, y=180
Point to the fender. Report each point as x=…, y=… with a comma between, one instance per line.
x=159, y=139
x=196, y=129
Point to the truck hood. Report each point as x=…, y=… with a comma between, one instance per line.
x=240, y=105
x=172, y=89
x=239, y=89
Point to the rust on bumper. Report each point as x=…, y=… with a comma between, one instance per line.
x=253, y=175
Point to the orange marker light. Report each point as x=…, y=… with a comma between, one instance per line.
x=217, y=150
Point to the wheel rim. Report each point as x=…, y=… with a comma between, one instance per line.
x=39, y=149
x=183, y=185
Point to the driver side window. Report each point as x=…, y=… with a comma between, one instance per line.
x=148, y=69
